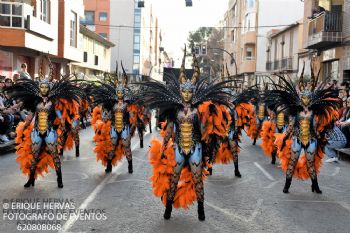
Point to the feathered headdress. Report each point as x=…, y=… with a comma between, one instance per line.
x=42, y=78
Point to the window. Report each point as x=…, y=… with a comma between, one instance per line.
x=45, y=10
x=249, y=22
x=96, y=60
x=104, y=35
x=137, y=18
x=85, y=56
x=11, y=15
x=136, y=39
x=89, y=18
x=136, y=46
x=233, y=35
x=73, y=29
x=249, y=53
x=136, y=58
x=103, y=16
x=250, y=4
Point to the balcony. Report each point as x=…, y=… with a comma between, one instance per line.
x=249, y=38
x=276, y=65
x=248, y=66
x=268, y=66
x=287, y=64
x=325, y=30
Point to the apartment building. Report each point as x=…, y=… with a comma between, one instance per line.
x=151, y=39
x=29, y=28
x=96, y=53
x=247, y=24
x=326, y=38
x=117, y=21
x=283, y=48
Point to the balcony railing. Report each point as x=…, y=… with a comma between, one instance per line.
x=268, y=66
x=287, y=64
x=276, y=64
x=325, y=30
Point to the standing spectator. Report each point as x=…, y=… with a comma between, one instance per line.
x=15, y=77
x=24, y=74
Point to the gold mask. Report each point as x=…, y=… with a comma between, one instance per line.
x=186, y=95
x=120, y=94
x=305, y=100
x=44, y=89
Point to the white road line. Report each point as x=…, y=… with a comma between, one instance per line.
x=271, y=185
x=234, y=216
x=336, y=171
x=72, y=219
x=264, y=171
x=345, y=205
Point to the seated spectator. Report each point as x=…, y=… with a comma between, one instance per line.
x=24, y=74
x=344, y=122
x=6, y=117
x=335, y=140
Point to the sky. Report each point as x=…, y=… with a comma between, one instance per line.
x=176, y=20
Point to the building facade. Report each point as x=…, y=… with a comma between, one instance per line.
x=247, y=24
x=30, y=28
x=151, y=40
x=118, y=22
x=326, y=38
x=283, y=48
x=96, y=53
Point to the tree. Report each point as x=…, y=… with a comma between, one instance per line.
x=211, y=63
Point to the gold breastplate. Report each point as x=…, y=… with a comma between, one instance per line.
x=118, y=121
x=186, y=142
x=305, y=131
x=261, y=111
x=43, y=117
x=280, y=120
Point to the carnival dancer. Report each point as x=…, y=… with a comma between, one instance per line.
x=37, y=139
x=312, y=110
x=178, y=163
x=276, y=124
x=227, y=147
x=114, y=121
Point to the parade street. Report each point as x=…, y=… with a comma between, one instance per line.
x=253, y=203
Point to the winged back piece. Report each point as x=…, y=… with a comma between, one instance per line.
x=125, y=78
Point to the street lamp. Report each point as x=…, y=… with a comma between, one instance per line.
x=188, y=3
x=141, y=4
x=233, y=61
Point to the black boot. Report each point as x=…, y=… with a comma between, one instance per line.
x=210, y=170
x=130, y=167
x=31, y=181
x=109, y=166
x=254, y=142
x=150, y=128
x=61, y=152
x=287, y=185
x=141, y=143
x=273, y=156
x=201, y=215
x=237, y=173
x=314, y=186
x=77, y=151
x=168, y=209
x=59, y=178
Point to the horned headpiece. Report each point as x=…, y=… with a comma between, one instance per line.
x=186, y=83
x=42, y=77
x=121, y=81
x=313, y=81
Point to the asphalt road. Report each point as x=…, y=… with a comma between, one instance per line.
x=253, y=203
